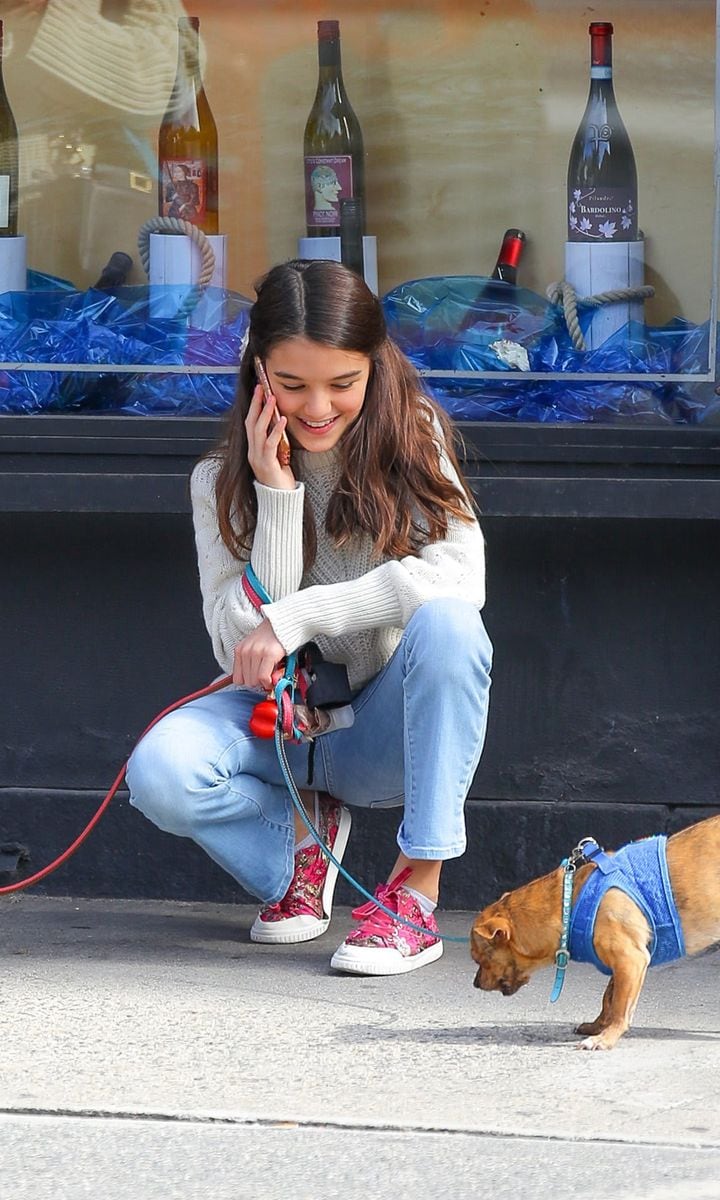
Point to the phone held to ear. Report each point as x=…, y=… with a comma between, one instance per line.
x=284, y=447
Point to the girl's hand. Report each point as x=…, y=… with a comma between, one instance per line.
x=263, y=435
x=257, y=656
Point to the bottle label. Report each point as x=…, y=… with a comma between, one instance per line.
x=4, y=201
x=328, y=180
x=184, y=189
x=602, y=214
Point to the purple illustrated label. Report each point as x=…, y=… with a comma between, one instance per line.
x=328, y=180
x=602, y=215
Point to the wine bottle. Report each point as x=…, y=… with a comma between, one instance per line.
x=351, y=235
x=602, y=177
x=509, y=257
x=8, y=160
x=333, y=144
x=187, y=142
x=479, y=307
x=115, y=271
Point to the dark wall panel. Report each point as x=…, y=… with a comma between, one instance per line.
x=605, y=693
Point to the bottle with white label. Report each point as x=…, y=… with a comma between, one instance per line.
x=8, y=161
x=602, y=192
x=604, y=250
x=333, y=144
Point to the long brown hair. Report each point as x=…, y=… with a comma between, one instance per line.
x=391, y=485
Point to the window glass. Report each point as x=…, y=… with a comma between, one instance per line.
x=467, y=112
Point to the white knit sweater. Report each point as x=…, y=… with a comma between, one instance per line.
x=353, y=606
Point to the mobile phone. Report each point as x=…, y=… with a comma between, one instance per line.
x=284, y=447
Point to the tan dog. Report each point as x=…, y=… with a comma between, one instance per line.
x=521, y=931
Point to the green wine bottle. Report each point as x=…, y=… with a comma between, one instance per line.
x=8, y=160
x=602, y=177
x=333, y=144
x=351, y=236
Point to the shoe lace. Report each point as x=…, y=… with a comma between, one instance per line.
x=375, y=921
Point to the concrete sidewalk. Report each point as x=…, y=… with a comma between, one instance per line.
x=149, y=1050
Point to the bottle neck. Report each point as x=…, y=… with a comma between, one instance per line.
x=600, y=54
x=188, y=64
x=512, y=248
x=329, y=61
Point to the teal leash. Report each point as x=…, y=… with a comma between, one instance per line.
x=281, y=686
x=257, y=595
x=562, y=954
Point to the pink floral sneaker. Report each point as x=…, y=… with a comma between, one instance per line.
x=384, y=946
x=304, y=911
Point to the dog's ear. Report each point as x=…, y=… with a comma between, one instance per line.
x=493, y=928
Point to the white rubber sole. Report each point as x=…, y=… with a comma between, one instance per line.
x=378, y=960
x=287, y=932
x=305, y=928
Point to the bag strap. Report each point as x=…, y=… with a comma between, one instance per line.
x=253, y=588
x=291, y=679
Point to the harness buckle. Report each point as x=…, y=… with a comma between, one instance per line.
x=579, y=856
x=562, y=958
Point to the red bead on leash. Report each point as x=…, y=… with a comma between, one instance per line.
x=264, y=719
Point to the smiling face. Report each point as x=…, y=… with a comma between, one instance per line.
x=320, y=389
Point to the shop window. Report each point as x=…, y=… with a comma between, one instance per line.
x=467, y=113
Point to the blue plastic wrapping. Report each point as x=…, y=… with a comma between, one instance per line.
x=442, y=323
x=58, y=324
x=451, y=323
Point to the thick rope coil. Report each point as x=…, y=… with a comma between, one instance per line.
x=564, y=293
x=207, y=255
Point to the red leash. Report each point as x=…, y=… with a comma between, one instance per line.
x=24, y=883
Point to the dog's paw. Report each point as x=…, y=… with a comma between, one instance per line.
x=588, y=1027
x=598, y=1041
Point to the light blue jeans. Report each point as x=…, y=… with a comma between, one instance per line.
x=418, y=735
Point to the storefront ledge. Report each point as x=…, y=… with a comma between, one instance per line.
x=574, y=496
x=141, y=465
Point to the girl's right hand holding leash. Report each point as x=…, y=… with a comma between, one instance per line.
x=264, y=431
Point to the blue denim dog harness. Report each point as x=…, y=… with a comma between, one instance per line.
x=641, y=871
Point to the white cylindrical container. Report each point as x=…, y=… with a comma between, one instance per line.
x=13, y=270
x=329, y=248
x=370, y=268
x=319, y=247
x=175, y=264
x=595, y=267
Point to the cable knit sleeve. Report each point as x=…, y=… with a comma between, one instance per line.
x=229, y=615
x=389, y=594
x=277, y=549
